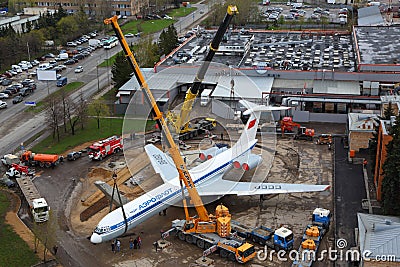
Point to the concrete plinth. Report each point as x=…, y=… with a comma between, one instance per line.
x=204, y=261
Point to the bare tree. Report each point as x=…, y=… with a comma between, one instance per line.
x=54, y=115
x=64, y=101
x=46, y=233
x=82, y=110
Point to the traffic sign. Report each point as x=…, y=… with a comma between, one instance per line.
x=30, y=103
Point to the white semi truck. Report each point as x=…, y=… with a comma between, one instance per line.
x=38, y=205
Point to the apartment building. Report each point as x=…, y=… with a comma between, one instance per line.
x=97, y=7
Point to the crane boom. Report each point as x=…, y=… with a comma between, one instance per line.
x=194, y=90
x=184, y=174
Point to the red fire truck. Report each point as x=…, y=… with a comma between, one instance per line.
x=105, y=147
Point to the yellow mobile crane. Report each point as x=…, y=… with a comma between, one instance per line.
x=181, y=121
x=203, y=223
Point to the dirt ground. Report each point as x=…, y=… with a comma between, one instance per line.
x=294, y=162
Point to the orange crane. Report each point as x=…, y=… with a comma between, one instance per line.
x=204, y=222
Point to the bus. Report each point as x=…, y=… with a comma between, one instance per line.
x=110, y=43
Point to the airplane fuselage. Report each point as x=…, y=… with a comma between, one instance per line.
x=160, y=198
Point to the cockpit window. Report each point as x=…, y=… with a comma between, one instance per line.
x=101, y=230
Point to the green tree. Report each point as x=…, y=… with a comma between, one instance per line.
x=82, y=20
x=172, y=36
x=147, y=52
x=163, y=43
x=391, y=171
x=120, y=70
x=67, y=27
x=373, y=142
x=98, y=109
x=61, y=13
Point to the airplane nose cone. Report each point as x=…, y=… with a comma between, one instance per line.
x=95, y=238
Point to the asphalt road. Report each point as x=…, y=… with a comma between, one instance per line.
x=349, y=191
x=17, y=127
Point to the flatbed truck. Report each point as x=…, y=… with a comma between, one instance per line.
x=312, y=238
x=37, y=204
x=280, y=239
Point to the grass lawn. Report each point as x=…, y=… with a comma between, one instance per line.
x=14, y=251
x=108, y=127
x=108, y=62
x=69, y=88
x=181, y=12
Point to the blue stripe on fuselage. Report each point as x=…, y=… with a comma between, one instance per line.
x=139, y=214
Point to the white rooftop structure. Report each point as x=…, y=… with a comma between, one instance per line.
x=370, y=16
x=361, y=122
x=380, y=235
x=336, y=87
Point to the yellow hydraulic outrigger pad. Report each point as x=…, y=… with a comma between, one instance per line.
x=184, y=174
x=183, y=119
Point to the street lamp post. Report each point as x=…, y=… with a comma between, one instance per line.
x=97, y=72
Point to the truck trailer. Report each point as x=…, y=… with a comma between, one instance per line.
x=37, y=204
x=42, y=160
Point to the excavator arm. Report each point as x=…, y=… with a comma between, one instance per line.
x=195, y=89
x=184, y=174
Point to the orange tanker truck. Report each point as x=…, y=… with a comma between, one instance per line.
x=42, y=160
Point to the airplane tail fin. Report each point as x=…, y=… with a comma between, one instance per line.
x=162, y=164
x=248, y=135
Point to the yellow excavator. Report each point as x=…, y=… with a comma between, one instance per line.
x=204, y=222
x=181, y=121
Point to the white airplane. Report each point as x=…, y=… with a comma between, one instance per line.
x=207, y=177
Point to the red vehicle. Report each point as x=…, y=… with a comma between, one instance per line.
x=105, y=147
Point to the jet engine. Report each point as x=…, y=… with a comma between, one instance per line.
x=248, y=163
x=211, y=152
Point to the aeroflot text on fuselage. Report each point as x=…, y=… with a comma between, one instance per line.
x=156, y=198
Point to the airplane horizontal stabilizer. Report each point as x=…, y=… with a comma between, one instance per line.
x=162, y=164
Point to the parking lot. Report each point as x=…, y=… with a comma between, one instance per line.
x=299, y=12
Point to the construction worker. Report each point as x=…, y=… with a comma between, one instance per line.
x=365, y=162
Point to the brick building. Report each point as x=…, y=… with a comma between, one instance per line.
x=360, y=129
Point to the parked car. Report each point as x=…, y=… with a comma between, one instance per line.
x=69, y=62
x=78, y=69
x=3, y=104
x=78, y=56
x=49, y=55
x=129, y=35
x=6, y=82
x=25, y=91
x=9, y=92
x=27, y=81
x=74, y=155
x=31, y=86
x=17, y=99
x=7, y=182
x=4, y=96
x=71, y=44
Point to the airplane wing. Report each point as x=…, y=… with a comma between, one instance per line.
x=226, y=187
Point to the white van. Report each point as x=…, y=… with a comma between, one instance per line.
x=44, y=66
x=16, y=68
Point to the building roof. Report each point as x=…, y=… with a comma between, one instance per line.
x=132, y=84
x=336, y=87
x=379, y=234
x=377, y=47
x=361, y=122
x=243, y=87
x=370, y=16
